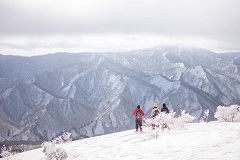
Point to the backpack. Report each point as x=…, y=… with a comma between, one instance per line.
x=164, y=110
x=138, y=114
x=155, y=113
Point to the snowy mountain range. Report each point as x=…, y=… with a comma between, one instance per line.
x=91, y=94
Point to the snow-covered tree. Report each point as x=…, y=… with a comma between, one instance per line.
x=57, y=140
x=53, y=152
x=167, y=121
x=205, y=116
x=6, y=152
x=65, y=137
x=162, y=121
x=228, y=114
x=184, y=118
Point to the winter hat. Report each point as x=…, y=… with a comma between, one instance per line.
x=155, y=105
x=164, y=105
x=138, y=106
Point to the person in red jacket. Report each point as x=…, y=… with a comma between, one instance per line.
x=138, y=116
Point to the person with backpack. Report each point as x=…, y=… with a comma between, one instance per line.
x=155, y=112
x=138, y=116
x=164, y=109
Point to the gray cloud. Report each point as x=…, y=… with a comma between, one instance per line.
x=217, y=20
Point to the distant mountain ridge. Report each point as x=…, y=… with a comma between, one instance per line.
x=90, y=94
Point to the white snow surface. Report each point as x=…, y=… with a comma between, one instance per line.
x=197, y=141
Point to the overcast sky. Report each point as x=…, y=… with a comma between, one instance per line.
x=33, y=27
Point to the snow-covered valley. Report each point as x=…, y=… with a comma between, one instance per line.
x=90, y=94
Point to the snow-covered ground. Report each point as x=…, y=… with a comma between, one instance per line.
x=197, y=141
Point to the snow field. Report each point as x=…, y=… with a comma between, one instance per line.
x=198, y=141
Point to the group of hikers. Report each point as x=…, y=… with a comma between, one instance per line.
x=138, y=115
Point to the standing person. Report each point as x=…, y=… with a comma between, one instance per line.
x=164, y=109
x=138, y=115
x=155, y=112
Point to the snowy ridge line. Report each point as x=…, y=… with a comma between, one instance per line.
x=207, y=96
x=222, y=142
x=47, y=91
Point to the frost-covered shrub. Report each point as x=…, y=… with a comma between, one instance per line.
x=57, y=140
x=205, y=116
x=162, y=121
x=52, y=152
x=182, y=120
x=6, y=152
x=167, y=121
x=228, y=114
x=65, y=137
x=186, y=117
